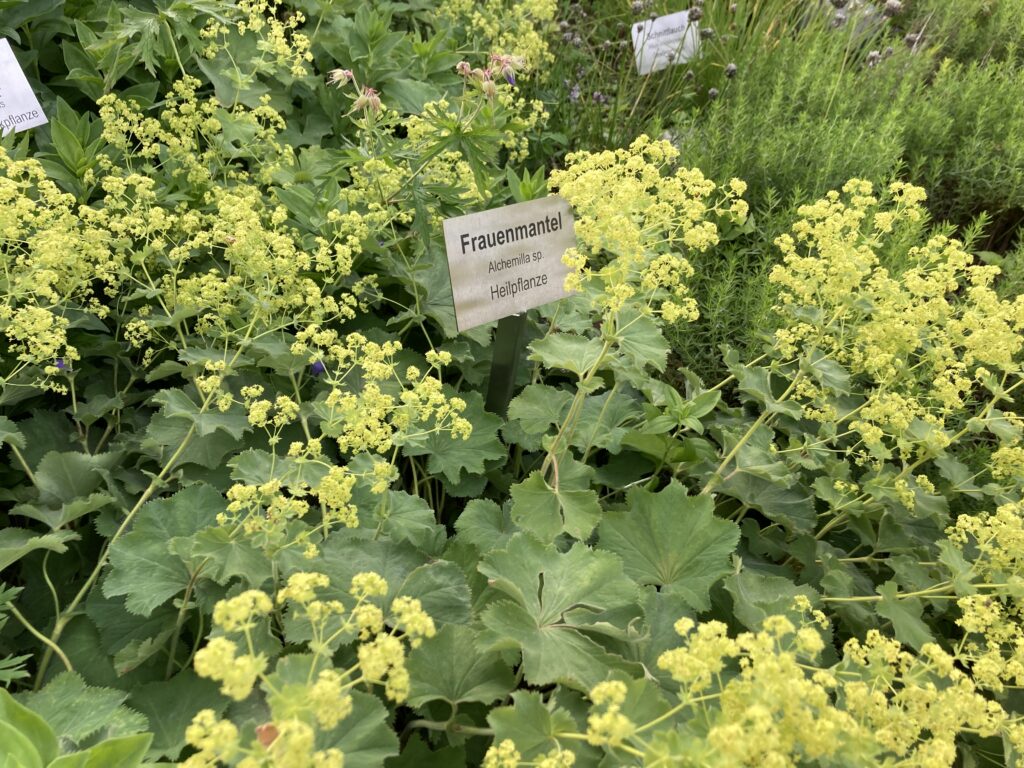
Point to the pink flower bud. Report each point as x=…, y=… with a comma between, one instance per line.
x=339, y=77
x=368, y=99
x=463, y=68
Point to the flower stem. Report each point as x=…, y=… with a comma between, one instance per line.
x=51, y=646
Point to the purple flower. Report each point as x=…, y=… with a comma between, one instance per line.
x=506, y=66
x=317, y=368
x=61, y=365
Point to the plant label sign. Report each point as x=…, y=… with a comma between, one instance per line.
x=19, y=107
x=507, y=260
x=664, y=41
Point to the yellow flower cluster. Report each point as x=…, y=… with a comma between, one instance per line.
x=335, y=495
x=609, y=727
x=265, y=512
x=635, y=220
x=55, y=254
x=360, y=411
x=914, y=338
x=769, y=703
x=274, y=26
x=216, y=740
x=505, y=755
x=240, y=612
x=1008, y=464
x=299, y=712
x=993, y=617
x=762, y=698
x=236, y=673
x=267, y=265
x=262, y=511
x=510, y=27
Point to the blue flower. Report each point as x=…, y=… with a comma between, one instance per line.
x=61, y=365
x=317, y=368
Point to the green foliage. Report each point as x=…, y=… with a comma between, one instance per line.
x=256, y=513
x=964, y=142
x=30, y=738
x=971, y=31
x=672, y=541
x=811, y=104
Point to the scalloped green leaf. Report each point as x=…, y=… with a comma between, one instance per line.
x=556, y=598
x=77, y=711
x=10, y=434
x=68, y=476
x=452, y=667
x=15, y=543
x=178, y=405
x=756, y=596
x=142, y=564
x=641, y=341
x=453, y=456
x=170, y=705
x=905, y=615
x=485, y=525
x=568, y=352
x=533, y=726
x=546, y=511
x=671, y=540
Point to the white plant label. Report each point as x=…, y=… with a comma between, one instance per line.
x=507, y=260
x=19, y=107
x=664, y=41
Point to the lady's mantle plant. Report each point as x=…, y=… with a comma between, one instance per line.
x=257, y=508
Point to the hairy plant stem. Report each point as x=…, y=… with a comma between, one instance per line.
x=942, y=590
x=717, y=477
x=180, y=621
x=452, y=727
x=68, y=613
x=51, y=646
x=24, y=464
x=568, y=425
x=676, y=710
